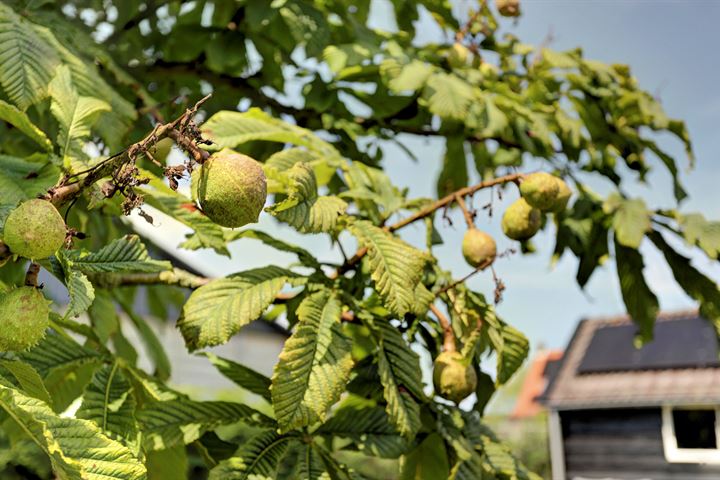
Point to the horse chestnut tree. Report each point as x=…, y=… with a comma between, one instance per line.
x=94, y=96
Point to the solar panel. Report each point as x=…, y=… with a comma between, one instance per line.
x=683, y=343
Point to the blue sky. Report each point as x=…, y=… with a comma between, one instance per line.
x=670, y=46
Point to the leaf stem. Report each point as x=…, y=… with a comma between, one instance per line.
x=64, y=192
x=466, y=212
x=449, y=344
x=430, y=209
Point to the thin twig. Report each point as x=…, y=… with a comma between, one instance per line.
x=449, y=198
x=449, y=344
x=429, y=210
x=454, y=284
x=462, y=33
x=63, y=192
x=31, y=277
x=466, y=212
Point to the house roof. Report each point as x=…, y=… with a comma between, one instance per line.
x=534, y=383
x=601, y=368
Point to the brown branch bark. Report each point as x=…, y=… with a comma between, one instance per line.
x=31, y=277
x=65, y=192
x=429, y=210
x=448, y=199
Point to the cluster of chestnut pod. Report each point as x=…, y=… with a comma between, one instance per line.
x=230, y=189
x=453, y=375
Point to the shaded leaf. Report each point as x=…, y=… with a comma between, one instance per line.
x=640, y=301
x=108, y=402
x=245, y=377
x=256, y=459
x=179, y=422
x=126, y=254
x=77, y=448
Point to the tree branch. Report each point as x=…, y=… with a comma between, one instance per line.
x=429, y=210
x=64, y=192
x=466, y=213
x=176, y=276
x=305, y=117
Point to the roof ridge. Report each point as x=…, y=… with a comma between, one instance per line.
x=661, y=316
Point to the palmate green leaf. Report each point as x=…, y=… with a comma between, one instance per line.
x=75, y=114
x=217, y=311
x=310, y=465
x=303, y=208
x=703, y=233
x=640, y=301
x=429, y=461
x=448, y=96
x=470, y=469
x=170, y=463
x=316, y=463
x=19, y=449
x=54, y=352
x=77, y=448
x=406, y=78
x=449, y=424
x=229, y=129
x=510, y=345
x=631, y=219
x=316, y=216
x=395, y=266
x=86, y=78
x=400, y=375
x=484, y=391
x=81, y=291
x=497, y=458
x=454, y=173
x=22, y=179
x=284, y=160
x=126, y=254
x=148, y=388
x=369, y=427
x=245, y=377
x=338, y=57
x=27, y=378
x=307, y=25
x=373, y=191
x=670, y=164
x=27, y=63
x=699, y=287
x=314, y=366
x=179, y=422
x=108, y=403
x=19, y=119
x=256, y=459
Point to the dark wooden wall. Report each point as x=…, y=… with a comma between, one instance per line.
x=622, y=444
